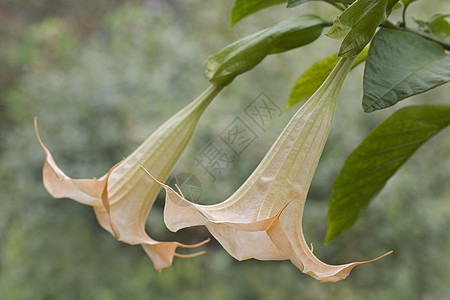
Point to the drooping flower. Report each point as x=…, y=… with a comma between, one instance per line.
x=263, y=218
x=124, y=196
x=122, y=201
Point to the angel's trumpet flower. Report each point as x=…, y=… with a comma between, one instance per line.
x=263, y=218
x=122, y=198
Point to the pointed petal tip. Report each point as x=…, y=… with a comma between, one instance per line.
x=335, y=273
x=375, y=259
x=37, y=135
x=151, y=176
x=179, y=190
x=189, y=255
x=192, y=246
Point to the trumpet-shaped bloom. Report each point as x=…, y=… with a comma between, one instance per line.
x=263, y=218
x=123, y=197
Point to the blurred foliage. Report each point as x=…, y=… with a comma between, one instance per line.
x=98, y=93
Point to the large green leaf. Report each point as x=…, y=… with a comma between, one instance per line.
x=377, y=158
x=401, y=64
x=244, y=8
x=357, y=24
x=312, y=78
x=246, y=53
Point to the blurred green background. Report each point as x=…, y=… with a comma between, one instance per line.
x=102, y=75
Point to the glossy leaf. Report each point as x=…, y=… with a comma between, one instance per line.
x=244, y=8
x=315, y=75
x=357, y=24
x=246, y=53
x=401, y=64
x=377, y=158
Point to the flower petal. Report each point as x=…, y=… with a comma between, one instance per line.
x=93, y=192
x=59, y=185
x=287, y=233
x=243, y=240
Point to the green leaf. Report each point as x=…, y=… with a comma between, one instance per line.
x=312, y=78
x=292, y=3
x=377, y=158
x=244, y=8
x=401, y=64
x=246, y=53
x=439, y=26
x=357, y=24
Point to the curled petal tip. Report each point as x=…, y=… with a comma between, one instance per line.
x=37, y=134
x=195, y=245
x=377, y=258
x=189, y=255
x=151, y=176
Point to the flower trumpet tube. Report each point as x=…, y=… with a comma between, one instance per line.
x=124, y=196
x=263, y=218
